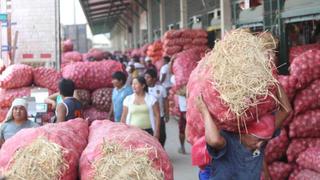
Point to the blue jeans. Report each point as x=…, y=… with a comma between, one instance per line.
x=204, y=174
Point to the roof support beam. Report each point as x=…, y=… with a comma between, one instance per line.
x=108, y=11
x=106, y=7
x=141, y=5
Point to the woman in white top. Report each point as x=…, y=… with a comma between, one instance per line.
x=141, y=109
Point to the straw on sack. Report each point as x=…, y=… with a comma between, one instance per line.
x=241, y=70
x=118, y=163
x=41, y=160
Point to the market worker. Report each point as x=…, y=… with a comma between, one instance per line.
x=120, y=91
x=16, y=120
x=70, y=108
x=142, y=109
x=241, y=157
x=149, y=64
x=160, y=93
x=165, y=74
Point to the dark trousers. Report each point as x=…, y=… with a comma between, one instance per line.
x=163, y=134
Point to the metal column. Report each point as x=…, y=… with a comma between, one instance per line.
x=149, y=21
x=184, y=13
x=162, y=17
x=226, y=16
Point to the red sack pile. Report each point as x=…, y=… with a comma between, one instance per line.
x=310, y=159
x=96, y=54
x=16, y=76
x=3, y=113
x=183, y=65
x=136, y=53
x=296, y=51
x=155, y=51
x=123, y=149
x=276, y=148
x=102, y=99
x=48, y=152
x=306, y=68
x=307, y=175
x=308, y=98
x=71, y=57
x=299, y=145
x=46, y=78
x=289, y=85
x=144, y=49
x=306, y=125
x=279, y=170
x=93, y=114
x=83, y=96
x=67, y=45
x=7, y=96
x=176, y=41
x=91, y=75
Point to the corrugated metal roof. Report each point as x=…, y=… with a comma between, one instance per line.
x=102, y=15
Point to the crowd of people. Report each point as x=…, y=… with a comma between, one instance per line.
x=140, y=99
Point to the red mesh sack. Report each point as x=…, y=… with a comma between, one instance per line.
x=200, y=41
x=307, y=175
x=129, y=143
x=276, y=148
x=102, y=99
x=91, y=75
x=67, y=45
x=296, y=170
x=3, y=113
x=58, y=148
x=183, y=65
x=93, y=114
x=279, y=170
x=199, y=153
x=225, y=119
x=188, y=33
x=305, y=125
x=172, y=50
x=310, y=159
x=298, y=50
x=306, y=68
x=307, y=99
x=7, y=96
x=177, y=42
x=47, y=78
x=97, y=54
x=16, y=76
x=172, y=34
x=289, y=85
x=200, y=33
x=299, y=145
x=135, y=52
x=72, y=56
x=83, y=96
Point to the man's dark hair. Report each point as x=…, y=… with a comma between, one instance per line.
x=153, y=73
x=120, y=76
x=136, y=59
x=66, y=87
x=166, y=59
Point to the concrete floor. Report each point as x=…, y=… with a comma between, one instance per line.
x=183, y=170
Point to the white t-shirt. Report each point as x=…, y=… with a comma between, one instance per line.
x=165, y=70
x=182, y=103
x=159, y=92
